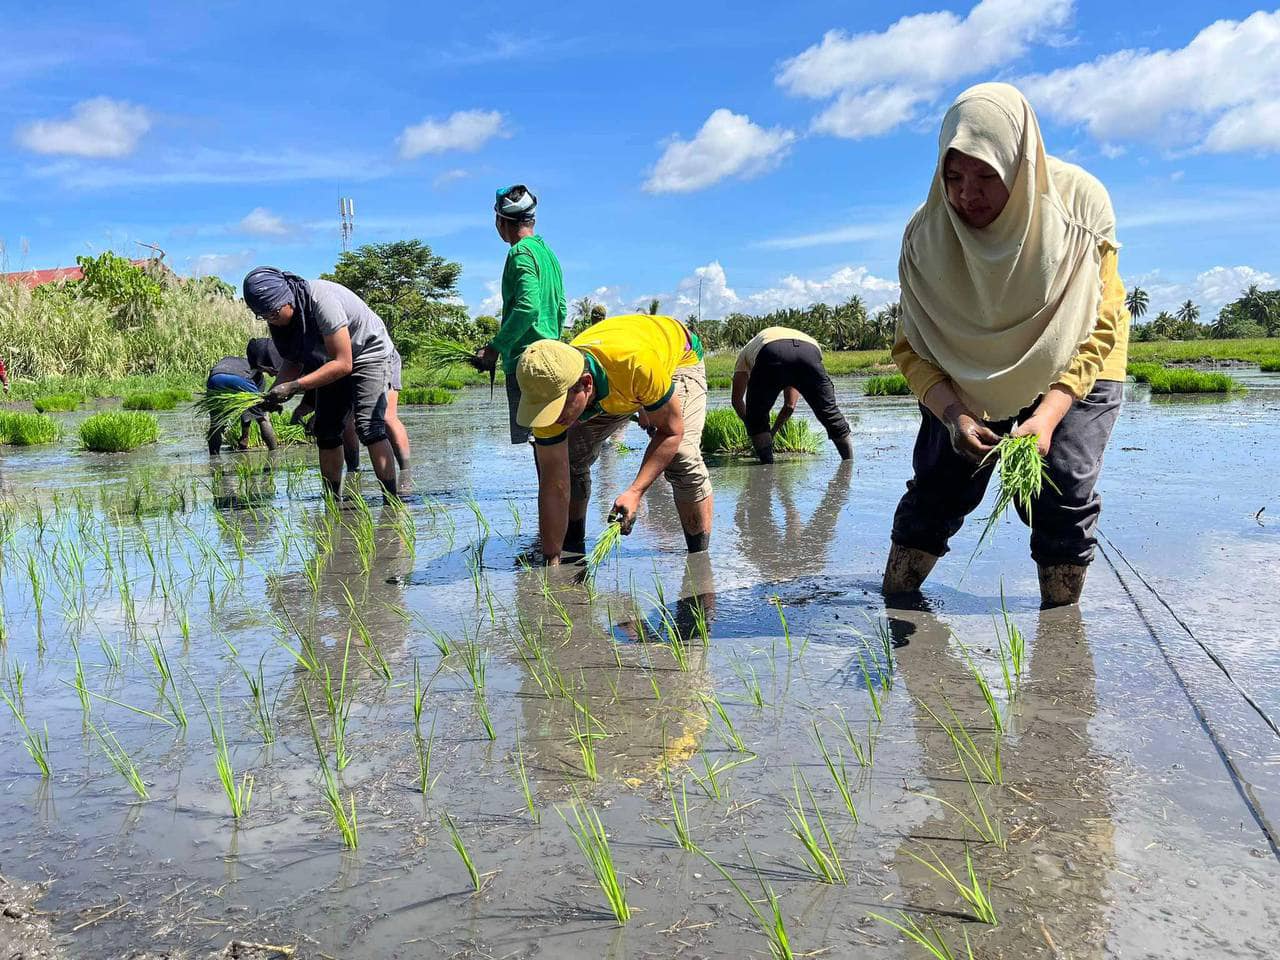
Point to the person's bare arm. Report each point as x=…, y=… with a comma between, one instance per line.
x=1053, y=406
x=740, y=380
x=667, y=424
x=338, y=346
x=790, y=397
x=553, y=497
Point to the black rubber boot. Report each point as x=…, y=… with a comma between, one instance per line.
x=845, y=446
x=698, y=542
x=575, y=537
x=765, y=453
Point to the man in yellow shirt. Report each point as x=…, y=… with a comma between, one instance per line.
x=576, y=395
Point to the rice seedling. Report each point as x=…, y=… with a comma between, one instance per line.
x=374, y=659
x=516, y=521
x=455, y=839
x=884, y=637
x=1166, y=380
x=1022, y=476
x=16, y=678
x=263, y=709
x=481, y=706
x=36, y=743
x=987, y=828
x=821, y=858
x=679, y=825
x=424, y=747
x=121, y=761
x=586, y=730
x=347, y=822
x=1269, y=366
x=36, y=578
x=782, y=619
x=427, y=396
x=589, y=833
x=81, y=687
x=238, y=794
x=926, y=936
x=710, y=781
x=226, y=407
x=715, y=709
x=609, y=540
x=746, y=673
x=419, y=695
x=724, y=433
x=338, y=705
x=27, y=429
x=971, y=890
x=888, y=385
x=984, y=688
x=154, y=400
x=522, y=778
x=872, y=693
x=57, y=402
x=990, y=768
x=436, y=355
x=114, y=431
x=1012, y=647
x=839, y=774
x=773, y=925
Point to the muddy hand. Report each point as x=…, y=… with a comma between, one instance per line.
x=624, y=512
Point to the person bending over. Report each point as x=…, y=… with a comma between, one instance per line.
x=248, y=374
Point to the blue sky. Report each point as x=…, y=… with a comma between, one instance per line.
x=767, y=153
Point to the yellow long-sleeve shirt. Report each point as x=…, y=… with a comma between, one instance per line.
x=1103, y=356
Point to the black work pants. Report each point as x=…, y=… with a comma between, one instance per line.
x=792, y=363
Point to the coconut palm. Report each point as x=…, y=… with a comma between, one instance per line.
x=1188, y=313
x=1137, y=302
x=654, y=306
x=582, y=311
x=1261, y=309
x=1163, y=325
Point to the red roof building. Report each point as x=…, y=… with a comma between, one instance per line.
x=38, y=278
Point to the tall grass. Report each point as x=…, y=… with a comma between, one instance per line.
x=118, y=431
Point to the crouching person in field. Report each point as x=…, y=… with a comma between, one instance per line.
x=248, y=374
x=331, y=342
x=575, y=396
x=779, y=360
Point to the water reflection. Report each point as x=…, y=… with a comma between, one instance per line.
x=796, y=546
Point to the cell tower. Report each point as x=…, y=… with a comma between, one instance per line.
x=347, y=214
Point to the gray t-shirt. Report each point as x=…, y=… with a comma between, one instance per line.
x=337, y=307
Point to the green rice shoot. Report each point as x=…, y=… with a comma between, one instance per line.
x=27, y=429
x=1022, y=478
x=609, y=540
x=57, y=402
x=116, y=431
x=152, y=400
x=438, y=354
x=226, y=407
x=426, y=396
x=888, y=385
x=724, y=433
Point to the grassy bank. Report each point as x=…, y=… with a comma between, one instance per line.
x=1192, y=351
x=839, y=363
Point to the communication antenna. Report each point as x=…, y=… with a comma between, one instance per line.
x=347, y=214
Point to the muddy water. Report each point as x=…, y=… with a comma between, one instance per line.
x=1117, y=830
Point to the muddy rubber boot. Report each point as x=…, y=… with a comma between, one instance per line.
x=575, y=537
x=765, y=453
x=845, y=446
x=1060, y=584
x=698, y=542
x=906, y=569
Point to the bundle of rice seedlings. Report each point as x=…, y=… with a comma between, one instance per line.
x=1022, y=477
x=438, y=354
x=115, y=431
x=609, y=541
x=796, y=436
x=891, y=385
x=180, y=394
x=428, y=396
x=57, y=402
x=1270, y=366
x=225, y=407
x=723, y=432
x=27, y=429
x=156, y=400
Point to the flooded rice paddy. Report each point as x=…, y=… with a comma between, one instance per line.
x=776, y=760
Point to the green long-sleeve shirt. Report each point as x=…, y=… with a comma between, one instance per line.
x=533, y=304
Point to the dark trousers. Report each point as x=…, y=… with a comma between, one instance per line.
x=947, y=487
x=363, y=390
x=792, y=363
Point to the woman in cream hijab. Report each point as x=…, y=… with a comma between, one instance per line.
x=1013, y=321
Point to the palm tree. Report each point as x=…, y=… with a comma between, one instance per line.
x=582, y=311
x=1137, y=302
x=1188, y=312
x=654, y=305
x=1162, y=326
x=1258, y=308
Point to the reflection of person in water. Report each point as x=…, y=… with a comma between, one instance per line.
x=644, y=736
x=797, y=547
x=1053, y=808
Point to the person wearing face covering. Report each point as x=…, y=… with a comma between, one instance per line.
x=331, y=343
x=1013, y=322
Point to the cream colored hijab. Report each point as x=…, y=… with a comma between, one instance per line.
x=1003, y=310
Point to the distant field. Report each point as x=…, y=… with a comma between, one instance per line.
x=1190, y=351
x=838, y=362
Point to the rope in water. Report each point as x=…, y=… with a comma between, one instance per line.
x=1243, y=787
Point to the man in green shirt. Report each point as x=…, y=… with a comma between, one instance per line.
x=533, y=303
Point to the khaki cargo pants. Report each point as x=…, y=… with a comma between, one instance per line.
x=687, y=473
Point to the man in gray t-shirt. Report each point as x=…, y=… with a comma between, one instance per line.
x=337, y=307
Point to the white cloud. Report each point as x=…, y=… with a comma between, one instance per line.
x=261, y=222
x=449, y=176
x=100, y=127
x=728, y=144
x=491, y=305
x=463, y=130
x=1211, y=290
x=850, y=233
x=1219, y=93
x=880, y=79
x=220, y=264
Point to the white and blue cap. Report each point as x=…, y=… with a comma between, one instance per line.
x=515, y=203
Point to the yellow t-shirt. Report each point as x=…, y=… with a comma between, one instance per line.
x=632, y=358
x=747, y=356
x=1102, y=357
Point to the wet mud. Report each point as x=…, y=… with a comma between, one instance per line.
x=765, y=688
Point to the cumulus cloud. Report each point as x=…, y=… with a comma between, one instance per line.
x=464, y=130
x=100, y=127
x=1219, y=93
x=1211, y=289
x=881, y=79
x=261, y=222
x=728, y=145
x=220, y=264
